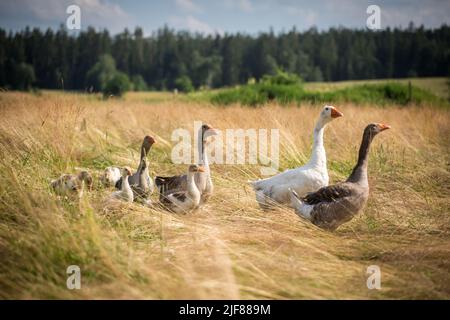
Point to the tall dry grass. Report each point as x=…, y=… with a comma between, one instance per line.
x=229, y=248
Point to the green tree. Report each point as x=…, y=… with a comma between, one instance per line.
x=184, y=84
x=101, y=73
x=282, y=78
x=89, y=59
x=117, y=85
x=24, y=76
x=138, y=83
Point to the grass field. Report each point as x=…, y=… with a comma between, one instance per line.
x=229, y=248
x=284, y=89
x=437, y=86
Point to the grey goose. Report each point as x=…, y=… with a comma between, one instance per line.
x=331, y=206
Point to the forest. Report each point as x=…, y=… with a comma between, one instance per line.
x=168, y=59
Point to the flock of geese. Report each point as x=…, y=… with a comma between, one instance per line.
x=305, y=188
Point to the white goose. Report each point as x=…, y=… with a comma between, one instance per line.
x=186, y=201
x=310, y=177
x=110, y=176
x=125, y=193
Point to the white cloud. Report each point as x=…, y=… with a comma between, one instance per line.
x=308, y=17
x=97, y=13
x=188, y=6
x=243, y=5
x=430, y=15
x=192, y=24
x=102, y=13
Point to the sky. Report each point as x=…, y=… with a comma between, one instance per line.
x=222, y=16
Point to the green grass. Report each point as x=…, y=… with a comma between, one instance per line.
x=378, y=94
x=429, y=90
x=437, y=86
x=433, y=90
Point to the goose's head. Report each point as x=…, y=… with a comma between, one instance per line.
x=330, y=113
x=375, y=128
x=126, y=171
x=196, y=168
x=207, y=131
x=147, y=143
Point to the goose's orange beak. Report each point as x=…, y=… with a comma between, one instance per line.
x=335, y=113
x=383, y=126
x=201, y=169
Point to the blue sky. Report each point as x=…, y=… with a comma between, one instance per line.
x=209, y=17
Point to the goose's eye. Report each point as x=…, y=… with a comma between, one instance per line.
x=326, y=109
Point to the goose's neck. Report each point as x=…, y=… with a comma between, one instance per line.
x=359, y=173
x=145, y=148
x=143, y=154
x=318, y=156
x=191, y=186
x=125, y=184
x=143, y=177
x=201, y=149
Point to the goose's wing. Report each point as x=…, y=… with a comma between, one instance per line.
x=175, y=201
x=266, y=183
x=118, y=184
x=329, y=193
x=180, y=196
x=171, y=184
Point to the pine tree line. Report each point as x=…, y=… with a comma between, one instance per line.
x=55, y=59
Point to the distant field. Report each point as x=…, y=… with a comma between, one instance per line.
x=437, y=86
x=230, y=248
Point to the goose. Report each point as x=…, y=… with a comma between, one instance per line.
x=186, y=201
x=140, y=182
x=125, y=193
x=310, y=177
x=142, y=189
x=167, y=185
x=72, y=183
x=331, y=206
x=110, y=176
